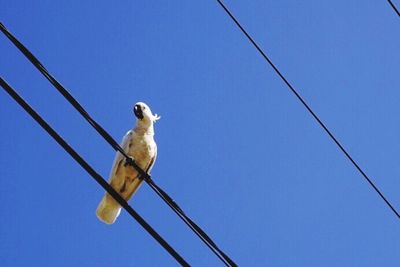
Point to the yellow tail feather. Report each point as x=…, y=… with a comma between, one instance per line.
x=108, y=210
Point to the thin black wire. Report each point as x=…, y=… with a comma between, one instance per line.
x=192, y=225
x=394, y=8
x=143, y=175
x=100, y=180
x=309, y=109
x=61, y=89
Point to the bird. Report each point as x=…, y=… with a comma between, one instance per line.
x=138, y=143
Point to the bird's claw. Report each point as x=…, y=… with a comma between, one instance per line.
x=142, y=174
x=129, y=161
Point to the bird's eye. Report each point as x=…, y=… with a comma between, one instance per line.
x=144, y=108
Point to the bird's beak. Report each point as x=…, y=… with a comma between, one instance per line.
x=138, y=112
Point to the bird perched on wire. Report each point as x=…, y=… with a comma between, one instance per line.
x=139, y=144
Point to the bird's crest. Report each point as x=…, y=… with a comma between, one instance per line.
x=156, y=117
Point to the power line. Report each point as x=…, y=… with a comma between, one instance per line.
x=61, y=89
x=192, y=225
x=100, y=180
x=394, y=7
x=142, y=174
x=308, y=108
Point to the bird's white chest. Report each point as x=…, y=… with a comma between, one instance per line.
x=142, y=148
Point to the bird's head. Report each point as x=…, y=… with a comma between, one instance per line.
x=143, y=114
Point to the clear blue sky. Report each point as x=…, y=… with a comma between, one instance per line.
x=236, y=149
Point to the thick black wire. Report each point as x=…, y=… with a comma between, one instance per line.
x=309, y=109
x=100, y=180
x=143, y=175
x=394, y=8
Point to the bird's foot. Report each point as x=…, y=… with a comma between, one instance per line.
x=129, y=161
x=142, y=174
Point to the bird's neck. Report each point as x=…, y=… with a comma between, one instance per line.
x=144, y=129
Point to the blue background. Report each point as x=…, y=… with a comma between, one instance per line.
x=236, y=149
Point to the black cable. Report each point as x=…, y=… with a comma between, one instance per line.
x=394, y=8
x=60, y=88
x=143, y=175
x=192, y=225
x=309, y=109
x=100, y=180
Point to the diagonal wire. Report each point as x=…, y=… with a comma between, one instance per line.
x=394, y=7
x=192, y=225
x=60, y=88
x=314, y=115
x=143, y=175
x=100, y=180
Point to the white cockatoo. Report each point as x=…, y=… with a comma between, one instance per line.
x=139, y=144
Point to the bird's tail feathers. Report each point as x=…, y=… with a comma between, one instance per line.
x=108, y=209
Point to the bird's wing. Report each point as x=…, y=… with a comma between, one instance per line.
x=152, y=161
x=119, y=158
x=108, y=209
